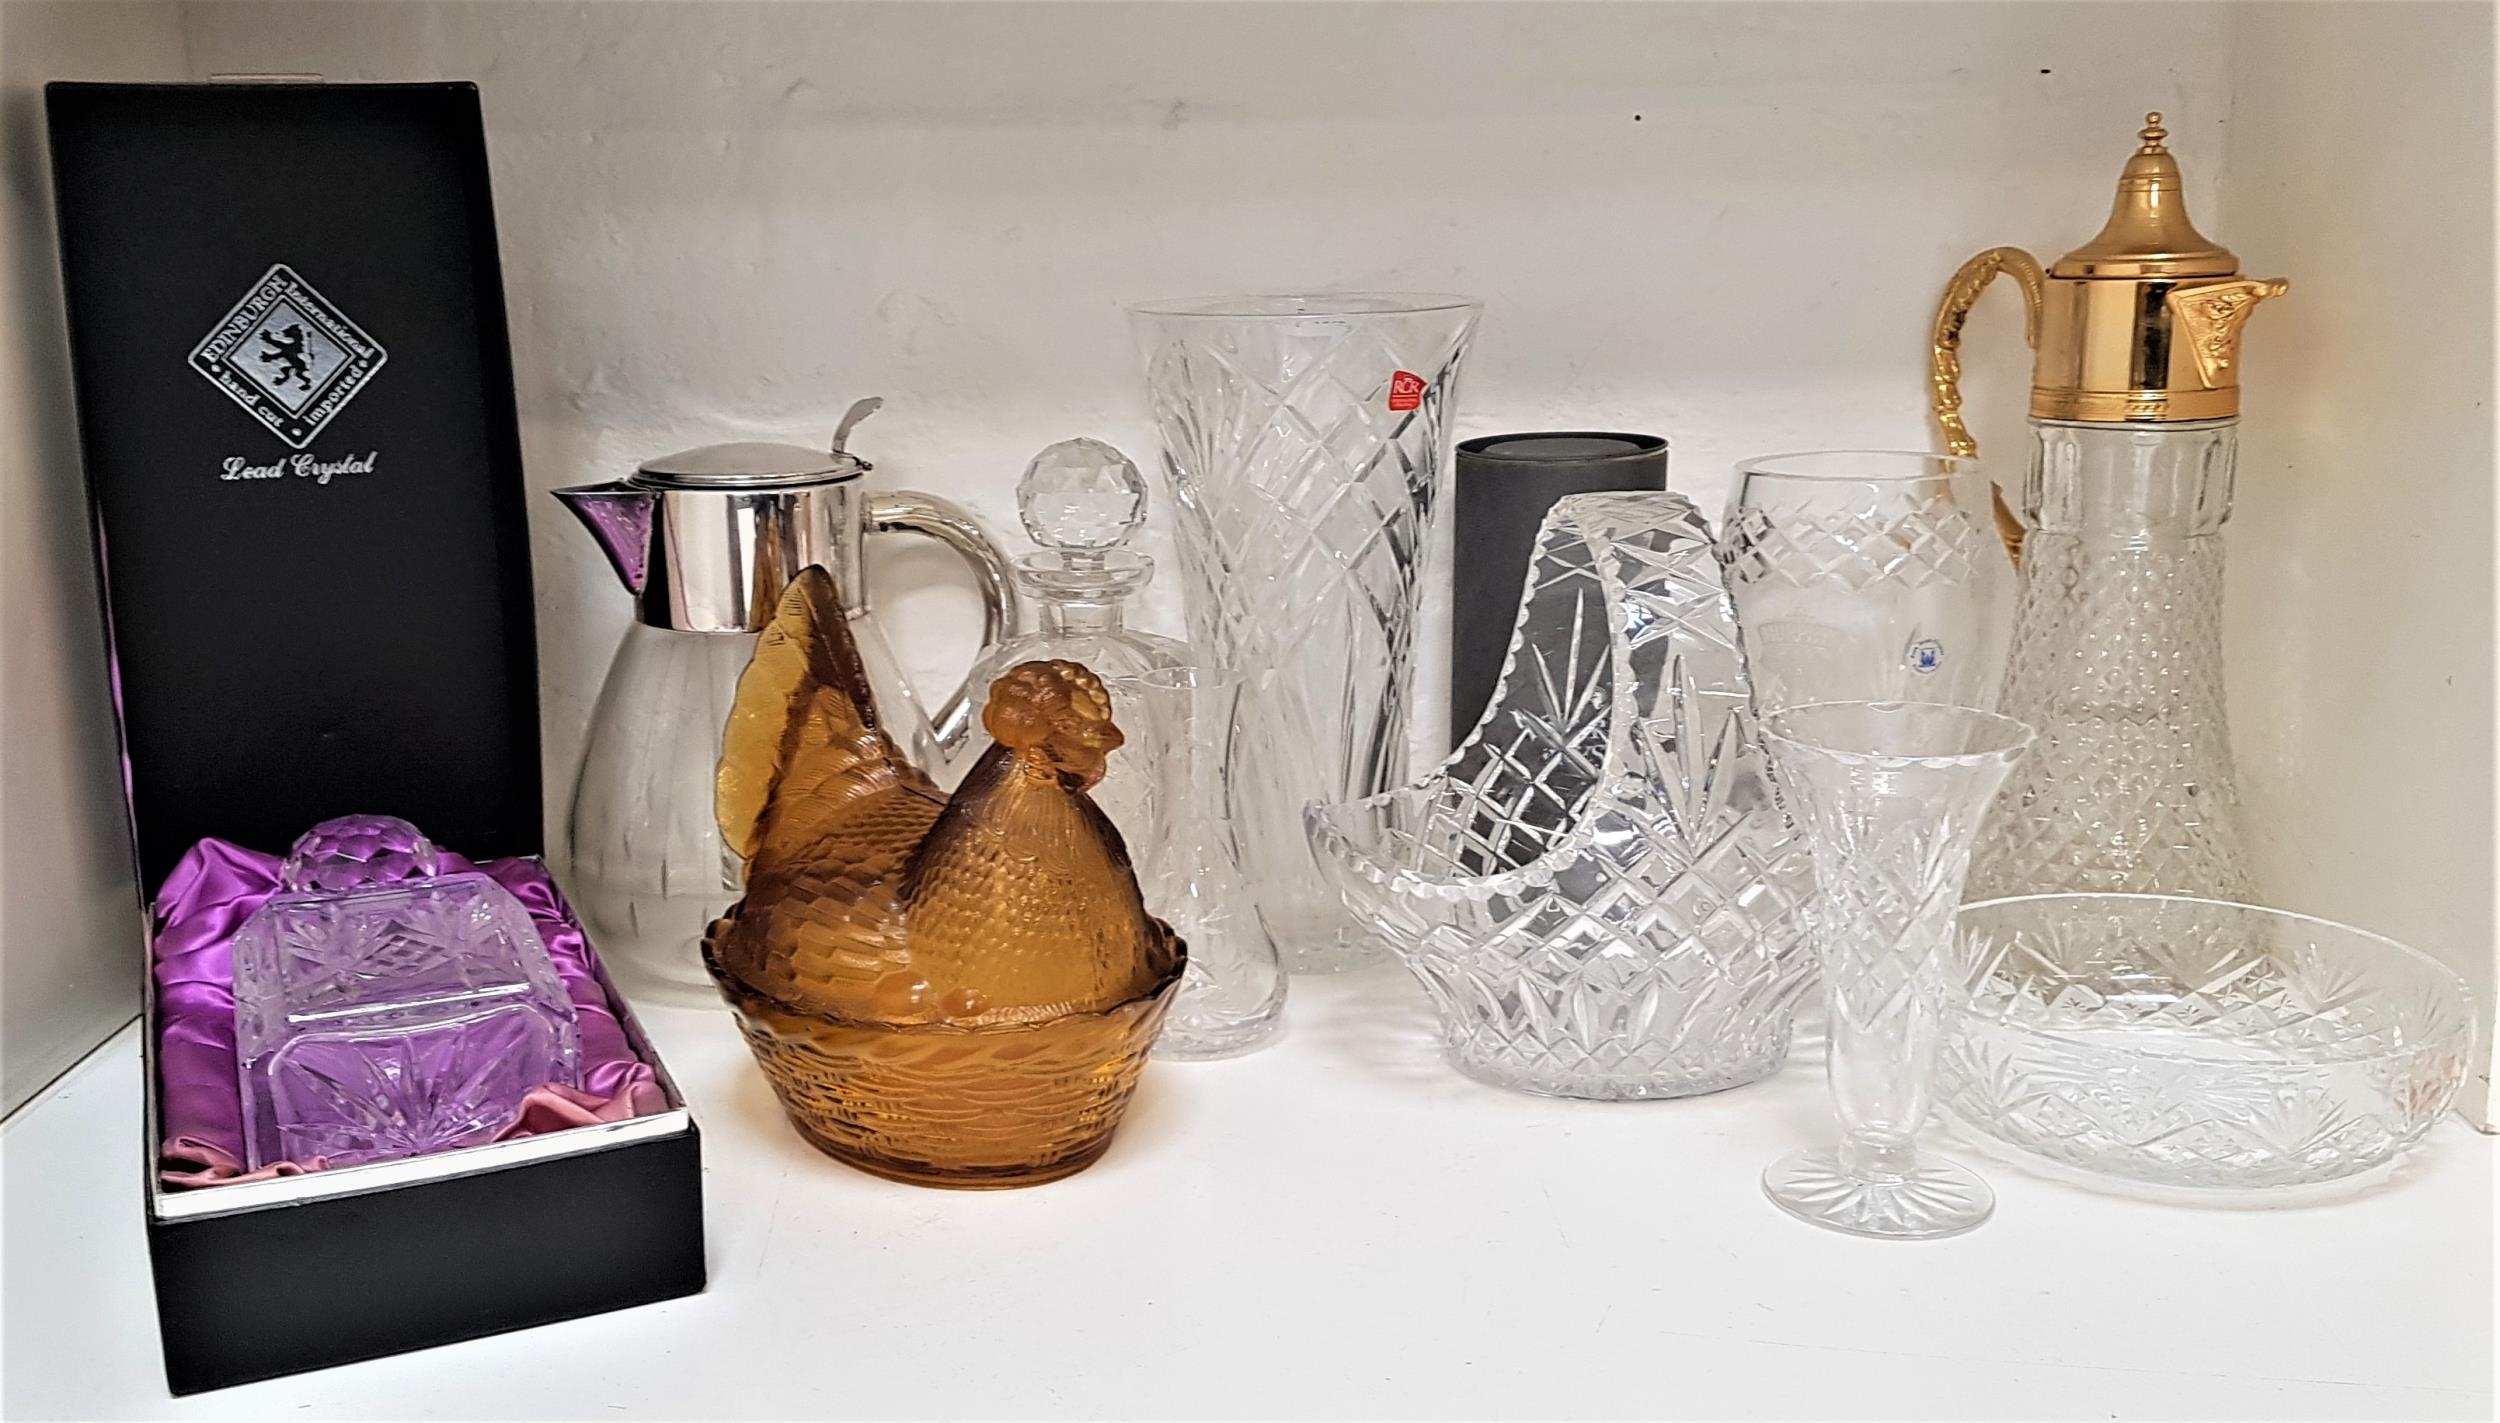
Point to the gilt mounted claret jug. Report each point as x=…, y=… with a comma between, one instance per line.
x=2117, y=644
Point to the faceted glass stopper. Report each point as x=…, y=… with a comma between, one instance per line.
x=357, y=852
x=1081, y=497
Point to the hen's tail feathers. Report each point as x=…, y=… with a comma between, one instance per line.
x=803, y=714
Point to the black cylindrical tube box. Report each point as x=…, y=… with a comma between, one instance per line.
x=1506, y=483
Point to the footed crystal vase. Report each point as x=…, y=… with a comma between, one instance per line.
x=1888, y=797
x=1596, y=889
x=1305, y=438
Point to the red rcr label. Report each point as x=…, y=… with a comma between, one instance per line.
x=1406, y=390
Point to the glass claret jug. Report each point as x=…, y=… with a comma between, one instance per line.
x=707, y=540
x=2117, y=644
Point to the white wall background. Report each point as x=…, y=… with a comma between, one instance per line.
x=2360, y=664
x=1725, y=223
x=69, y=915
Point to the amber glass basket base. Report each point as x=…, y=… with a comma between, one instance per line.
x=965, y=1107
x=921, y=1173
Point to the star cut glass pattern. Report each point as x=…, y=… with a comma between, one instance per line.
x=288, y=355
x=1596, y=890
x=385, y=1009
x=2190, y=1045
x=1305, y=439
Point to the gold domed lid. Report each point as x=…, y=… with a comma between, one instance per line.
x=2148, y=235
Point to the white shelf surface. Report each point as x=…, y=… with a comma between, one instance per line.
x=1341, y=1226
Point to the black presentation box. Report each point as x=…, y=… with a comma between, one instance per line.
x=295, y=409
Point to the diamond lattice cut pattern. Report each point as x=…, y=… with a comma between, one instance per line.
x=2118, y=660
x=1306, y=491
x=1596, y=890
x=1875, y=591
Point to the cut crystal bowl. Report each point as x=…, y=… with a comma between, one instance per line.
x=2194, y=1046
x=1596, y=890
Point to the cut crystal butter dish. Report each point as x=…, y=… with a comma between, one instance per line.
x=2193, y=1048
x=385, y=1007
x=1596, y=890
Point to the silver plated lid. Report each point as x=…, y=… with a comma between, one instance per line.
x=748, y=464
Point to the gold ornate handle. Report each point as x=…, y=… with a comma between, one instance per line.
x=1945, y=371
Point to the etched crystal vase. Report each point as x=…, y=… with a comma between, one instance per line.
x=1305, y=439
x=1596, y=889
x=1888, y=797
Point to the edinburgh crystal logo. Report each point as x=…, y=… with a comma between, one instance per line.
x=288, y=356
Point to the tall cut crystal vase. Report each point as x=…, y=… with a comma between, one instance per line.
x=1306, y=438
x=1888, y=797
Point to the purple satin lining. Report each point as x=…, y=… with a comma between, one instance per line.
x=205, y=901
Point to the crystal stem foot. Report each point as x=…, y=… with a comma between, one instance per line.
x=1927, y=1199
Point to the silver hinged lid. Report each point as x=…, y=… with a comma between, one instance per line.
x=748, y=464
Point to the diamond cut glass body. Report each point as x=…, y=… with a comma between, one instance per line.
x=384, y=1010
x=1305, y=439
x=2117, y=658
x=1596, y=890
x=2189, y=1045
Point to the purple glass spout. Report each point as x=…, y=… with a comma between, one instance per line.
x=384, y=1010
x=618, y=515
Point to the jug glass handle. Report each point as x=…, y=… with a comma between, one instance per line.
x=908, y=511
x=1945, y=371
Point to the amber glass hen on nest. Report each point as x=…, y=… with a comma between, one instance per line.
x=956, y=992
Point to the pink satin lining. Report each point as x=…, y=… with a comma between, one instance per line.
x=205, y=901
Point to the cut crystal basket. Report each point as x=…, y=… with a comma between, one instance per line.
x=1596, y=889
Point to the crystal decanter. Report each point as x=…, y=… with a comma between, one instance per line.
x=2117, y=643
x=1082, y=501
x=386, y=1008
